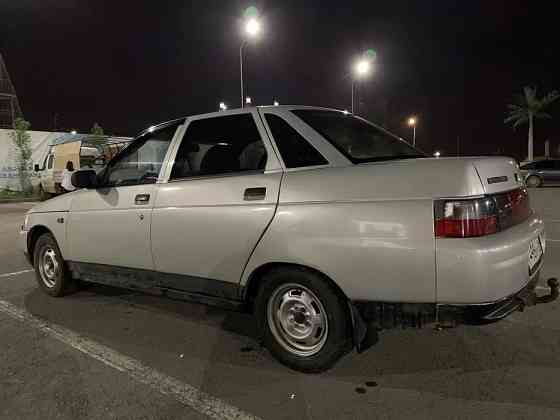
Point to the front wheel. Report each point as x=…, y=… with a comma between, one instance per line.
x=52, y=274
x=303, y=320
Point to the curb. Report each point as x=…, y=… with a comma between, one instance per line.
x=18, y=200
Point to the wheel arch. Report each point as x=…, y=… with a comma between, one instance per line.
x=254, y=280
x=32, y=237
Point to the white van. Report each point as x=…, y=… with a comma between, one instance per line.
x=84, y=151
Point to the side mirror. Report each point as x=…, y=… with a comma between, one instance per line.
x=36, y=167
x=84, y=179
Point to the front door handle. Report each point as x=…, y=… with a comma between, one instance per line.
x=141, y=199
x=252, y=194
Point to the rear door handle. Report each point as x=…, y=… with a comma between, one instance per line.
x=252, y=194
x=141, y=199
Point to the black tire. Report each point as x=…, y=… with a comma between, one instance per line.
x=334, y=339
x=56, y=280
x=533, y=181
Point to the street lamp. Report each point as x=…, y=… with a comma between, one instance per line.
x=362, y=68
x=276, y=103
x=223, y=106
x=412, y=123
x=248, y=100
x=252, y=29
x=437, y=153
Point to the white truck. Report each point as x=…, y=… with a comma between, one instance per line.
x=84, y=151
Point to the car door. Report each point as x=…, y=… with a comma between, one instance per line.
x=109, y=227
x=546, y=170
x=47, y=176
x=221, y=195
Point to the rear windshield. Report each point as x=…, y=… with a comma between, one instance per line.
x=357, y=139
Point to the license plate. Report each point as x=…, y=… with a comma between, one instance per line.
x=535, y=253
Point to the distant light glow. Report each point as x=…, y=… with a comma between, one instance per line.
x=363, y=67
x=412, y=121
x=345, y=112
x=276, y=103
x=248, y=100
x=437, y=153
x=151, y=129
x=223, y=106
x=73, y=132
x=252, y=27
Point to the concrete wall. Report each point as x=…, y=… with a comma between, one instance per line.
x=8, y=170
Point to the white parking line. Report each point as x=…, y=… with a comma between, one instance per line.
x=15, y=273
x=184, y=393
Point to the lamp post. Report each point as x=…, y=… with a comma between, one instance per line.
x=252, y=29
x=412, y=123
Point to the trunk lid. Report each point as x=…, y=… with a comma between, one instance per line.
x=498, y=174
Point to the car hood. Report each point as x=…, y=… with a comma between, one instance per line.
x=59, y=203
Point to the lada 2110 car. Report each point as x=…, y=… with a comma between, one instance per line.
x=327, y=227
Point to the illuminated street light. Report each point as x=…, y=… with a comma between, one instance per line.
x=73, y=132
x=223, y=106
x=412, y=123
x=361, y=69
x=345, y=112
x=248, y=100
x=252, y=29
x=437, y=153
x=276, y=103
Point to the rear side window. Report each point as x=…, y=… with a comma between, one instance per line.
x=357, y=139
x=220, y=145
x=295, y=150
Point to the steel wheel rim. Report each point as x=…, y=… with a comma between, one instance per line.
x=533, y=182
x=297, y=319
x=49, y=267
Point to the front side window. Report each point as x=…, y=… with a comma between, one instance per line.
x=141, y=162
x=220, y=145
x=357, y=139
x=295, y=150
x=545, y=165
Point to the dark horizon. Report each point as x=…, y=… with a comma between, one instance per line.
x=455, y=66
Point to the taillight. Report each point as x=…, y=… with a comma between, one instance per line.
x=480, y=216
x=465, y=218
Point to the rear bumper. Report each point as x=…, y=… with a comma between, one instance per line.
x=483, y=270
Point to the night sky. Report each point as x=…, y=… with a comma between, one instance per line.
x=129, y=64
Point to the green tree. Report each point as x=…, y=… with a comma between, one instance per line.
x=526, y=109
x=22, y=141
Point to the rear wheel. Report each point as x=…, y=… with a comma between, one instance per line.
x=303, y=320
x=51, y=272
x=533, y=181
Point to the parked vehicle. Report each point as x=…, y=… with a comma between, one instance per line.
x=541, y=172
x=327, y=227
x=84, y=151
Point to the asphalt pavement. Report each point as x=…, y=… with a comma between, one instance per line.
x=114, y=354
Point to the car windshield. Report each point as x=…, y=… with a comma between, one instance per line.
x=357, y=139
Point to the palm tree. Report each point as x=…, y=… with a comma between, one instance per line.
x=528, y=107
